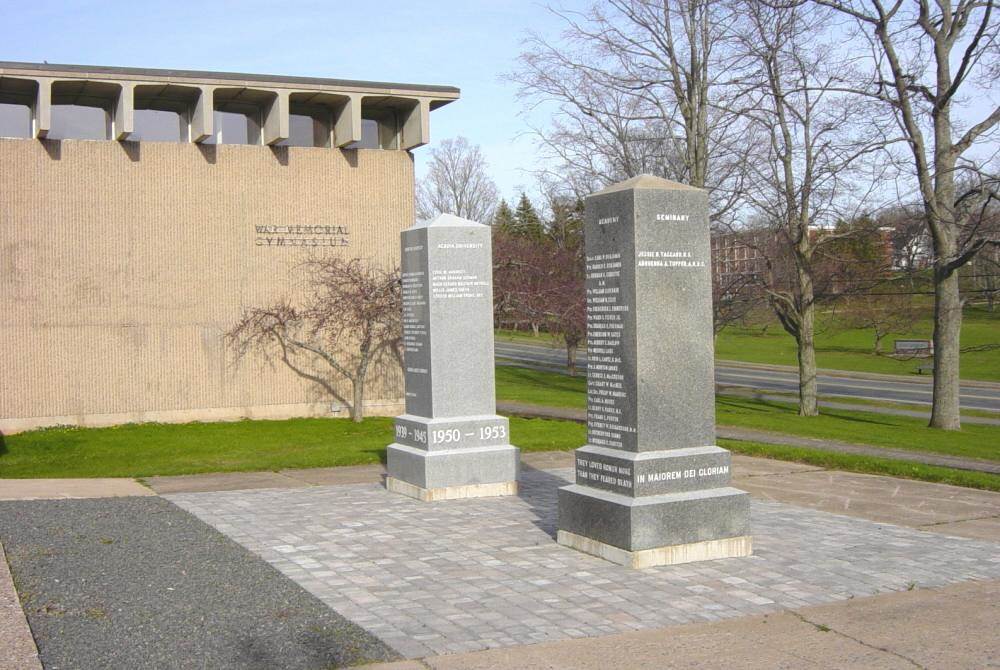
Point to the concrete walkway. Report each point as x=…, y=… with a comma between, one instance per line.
x=906, y=630
x=17, y=646
x=52, y=489
x=751, y=435
x=461, y=576
x=875, y=409
x=951, y=627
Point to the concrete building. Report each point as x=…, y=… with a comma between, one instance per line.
x=142, y=210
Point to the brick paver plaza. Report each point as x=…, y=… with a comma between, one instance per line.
x=463, y=575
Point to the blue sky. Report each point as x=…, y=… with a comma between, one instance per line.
x=464, y=44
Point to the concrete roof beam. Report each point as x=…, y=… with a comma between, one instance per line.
x=203, y=115
x=276, y=119
x=123, y=123
x=347, y=122
x=416, y=125
x=41, y=113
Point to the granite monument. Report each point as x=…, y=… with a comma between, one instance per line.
x=450, y=443
x=651, y=487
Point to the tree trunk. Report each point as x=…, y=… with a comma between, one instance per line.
x=945, y=412
x=878, y=342
x=358, y=405
x=534, y=329
x=808, y=405
x=571, y=359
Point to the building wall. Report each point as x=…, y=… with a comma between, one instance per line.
x=122, y=264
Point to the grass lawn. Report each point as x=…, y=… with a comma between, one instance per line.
x=516, y=384
x=144, y=450
x=866, y=464
x=851, y=349
x=841, y=349
x=884, y=430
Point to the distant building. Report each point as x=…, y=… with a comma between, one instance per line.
x=142, y=210
x=910, y=253
x=741, y=255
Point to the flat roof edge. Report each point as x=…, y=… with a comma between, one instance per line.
x=234, y=76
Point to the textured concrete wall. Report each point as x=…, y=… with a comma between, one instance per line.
x=121, y=265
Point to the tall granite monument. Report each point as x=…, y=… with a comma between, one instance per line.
x=450, y=443
x=651, y=488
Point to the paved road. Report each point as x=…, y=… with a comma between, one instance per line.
x=917, y=391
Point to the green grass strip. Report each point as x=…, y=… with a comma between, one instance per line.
x=866, y=464
x=150, y=449
x=145, y=450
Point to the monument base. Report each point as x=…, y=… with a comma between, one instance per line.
x=709, y=550
x=453, y=473
x=690, y=525
x=451, y=492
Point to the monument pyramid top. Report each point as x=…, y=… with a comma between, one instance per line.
x=646, y=181
x=445, y=220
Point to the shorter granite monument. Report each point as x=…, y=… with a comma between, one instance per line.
x=651, y=487
x=450, y=443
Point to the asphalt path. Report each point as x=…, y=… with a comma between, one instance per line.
x=917, y=391
x=138, y=583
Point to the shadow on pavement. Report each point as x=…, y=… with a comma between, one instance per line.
x=538, y=489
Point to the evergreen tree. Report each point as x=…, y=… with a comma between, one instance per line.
x=566, y=225
x=526, y=219
x=503, y=219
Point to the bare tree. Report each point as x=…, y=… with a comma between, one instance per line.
x=800, y=178
x=882, y=313
x=565, y=298
x=349, y=318
x=458, y=183
x=923, y=57
x=636, y=88
x=984, y=276
x=521, y=283
x=735, y=296
x=540, y=278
